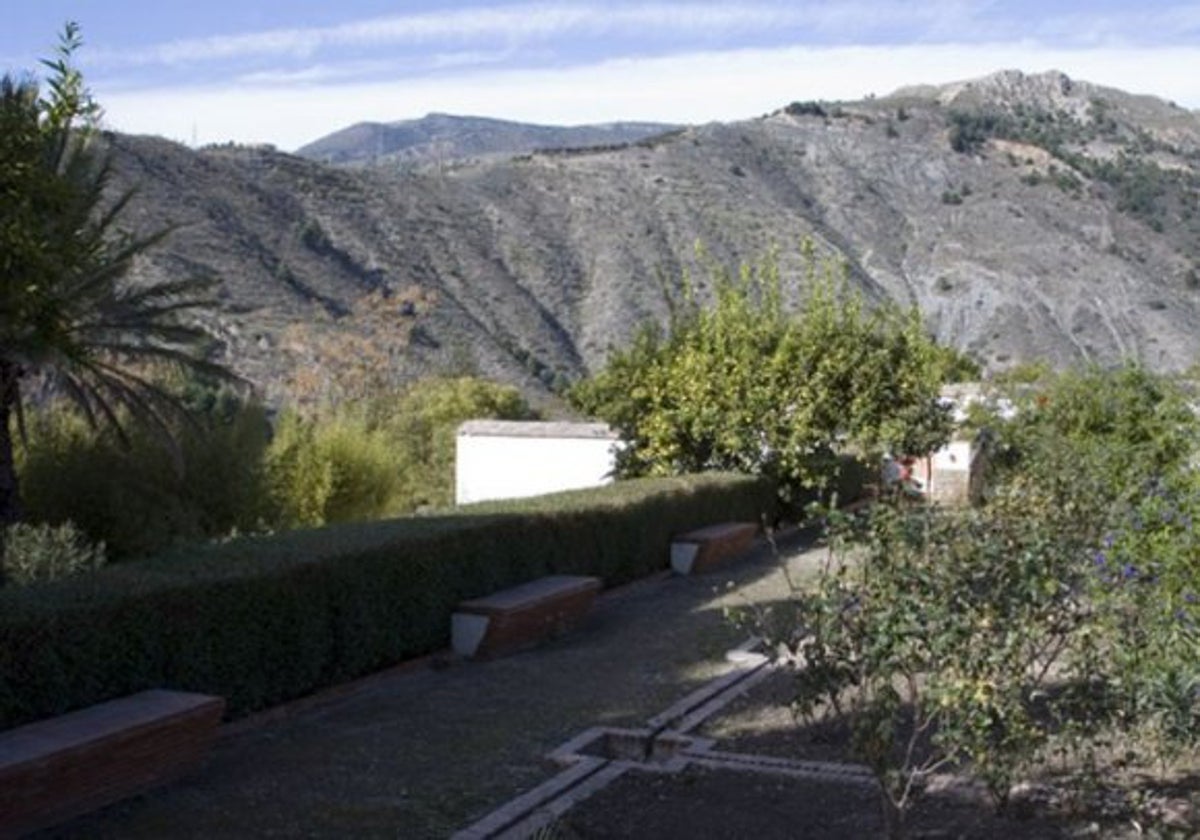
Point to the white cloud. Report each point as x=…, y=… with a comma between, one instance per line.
x=1145, y=24
x=696, y=87
x=470, y=58
x=318, y=73
x=529, y=22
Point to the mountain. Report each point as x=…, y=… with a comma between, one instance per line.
x=1028, y=216
x=437, y=138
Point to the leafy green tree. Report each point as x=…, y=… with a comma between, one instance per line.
x=928, y=632
x=1112, y=452
x=132, y=498
x=1057, y=619
x=422, y=422
x=745, y=386
x=326, y=469
x=390, y=456
x=1117, y=430
x=69, y=316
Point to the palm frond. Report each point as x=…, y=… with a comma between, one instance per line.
x=68, y=310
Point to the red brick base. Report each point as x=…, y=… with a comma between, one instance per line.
x=522, y=616
x=700, y=551
x=56, y=769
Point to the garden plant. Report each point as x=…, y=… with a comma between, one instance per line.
x=1048, y=633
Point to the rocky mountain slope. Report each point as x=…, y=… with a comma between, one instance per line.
x=1029, y=216
x=437, y=138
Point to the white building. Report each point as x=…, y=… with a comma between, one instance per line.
x=505, y=459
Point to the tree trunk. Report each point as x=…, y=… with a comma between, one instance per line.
x=893, y=815
x=10, y=493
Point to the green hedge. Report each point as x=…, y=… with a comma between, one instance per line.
x=263, y=620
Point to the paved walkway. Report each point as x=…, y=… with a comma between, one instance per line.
x=424, y=750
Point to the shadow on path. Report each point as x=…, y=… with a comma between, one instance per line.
x=425, y=750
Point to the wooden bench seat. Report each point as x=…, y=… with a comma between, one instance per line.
x=703, y=550
x=522, y=616
x=56, y=769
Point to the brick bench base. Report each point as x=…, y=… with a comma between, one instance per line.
x=522, y=616
x=700, y=551
x=56, y=769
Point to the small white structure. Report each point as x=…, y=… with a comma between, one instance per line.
x=955, y=472
x=952, y=475
x=506, y=459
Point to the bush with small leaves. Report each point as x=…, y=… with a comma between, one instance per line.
x=930, y=632
x=1060, y=615
x=36, y=553
x=140, y=497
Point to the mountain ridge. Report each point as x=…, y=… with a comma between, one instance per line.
x=1030, y=216
x=438, y=137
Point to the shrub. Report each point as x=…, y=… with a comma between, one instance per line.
x=392, y=455
x=930, y=632
x=141, y=497
x=970, y=130
x=35, y=553
x=1098, y=438
x=810, y=108
x=421, y=423
x=1063, y=611
x=264, y=619
x=1146, y=591
x=328, y=470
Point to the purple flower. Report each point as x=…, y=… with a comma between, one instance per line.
x=1101, y=560
x=1190, y=597
x=1129, y=571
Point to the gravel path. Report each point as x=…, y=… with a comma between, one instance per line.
x=424, y=750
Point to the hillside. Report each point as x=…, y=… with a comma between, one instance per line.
x=437, y=138
x=1029, y=216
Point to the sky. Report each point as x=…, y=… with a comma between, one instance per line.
x=289, y=71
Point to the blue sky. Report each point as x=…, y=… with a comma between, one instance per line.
x=289, y=71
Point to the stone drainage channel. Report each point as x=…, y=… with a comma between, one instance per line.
x=597, y=756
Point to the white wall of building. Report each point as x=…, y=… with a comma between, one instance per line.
x=955, y=456
x=510, y=460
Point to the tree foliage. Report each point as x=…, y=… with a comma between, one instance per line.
x=391, y=455
x=1057, y=619
x=1118, y=430
x=70, y=319
x=423, y=422
x=743, y=385
x=127, y=495
x=931, y=632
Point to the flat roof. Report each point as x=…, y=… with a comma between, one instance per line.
x=536, y=429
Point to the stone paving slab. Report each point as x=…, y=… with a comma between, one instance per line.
x=427, y=750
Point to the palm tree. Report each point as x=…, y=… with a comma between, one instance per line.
x=70, y=317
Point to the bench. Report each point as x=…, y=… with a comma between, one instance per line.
x=522, y=616
x=702, y=550
x=63, y=767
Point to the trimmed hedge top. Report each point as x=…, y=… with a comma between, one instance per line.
x=260, y=620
